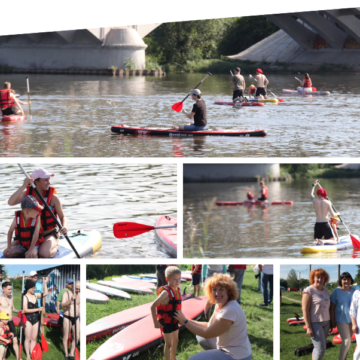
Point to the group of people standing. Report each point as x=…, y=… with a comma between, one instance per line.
x=323, y=311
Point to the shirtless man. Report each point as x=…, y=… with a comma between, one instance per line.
x=67, y=304
x=41, y=178
x=322, y=209
x=7, y=305
x=262, y=83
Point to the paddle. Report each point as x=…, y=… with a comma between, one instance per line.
x=50, y=211
x=313, y=88
x=77, y=355
x=21, y=315
x=36, y=353
x=44, y=344
x=354, y=240
x=28, y=91
x=281, y=100
x=178, y=106
x=129, y=229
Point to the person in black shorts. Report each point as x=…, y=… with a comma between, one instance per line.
x=239, y=85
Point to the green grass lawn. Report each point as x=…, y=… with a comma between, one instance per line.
x=52, y=335
x=293, y=337
x=259, y=322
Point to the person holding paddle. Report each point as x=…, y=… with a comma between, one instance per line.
x=198, y=112
x=32, y=312
x=41, y=178
x=9, y=103
x=239, y=85
x=262, y=83
x=306, y=83
x=264, y=192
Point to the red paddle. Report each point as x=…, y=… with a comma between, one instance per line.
x=21, y=316
x=44, y=344
x=178, y=106
x=130, y=229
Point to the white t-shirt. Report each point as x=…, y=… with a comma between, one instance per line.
x=218, y=268
x=234, y=341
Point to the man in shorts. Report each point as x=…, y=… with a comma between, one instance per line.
x=322, y=209
x=196, y=277
x=262, y=83
x=239, y=85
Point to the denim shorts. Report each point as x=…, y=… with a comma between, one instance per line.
x=193, y=127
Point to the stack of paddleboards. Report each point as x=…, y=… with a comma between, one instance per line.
x=108, y=291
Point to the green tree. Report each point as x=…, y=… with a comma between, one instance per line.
x=283, y=283
x=357, y=277
x=292, y=279
x=304, y=283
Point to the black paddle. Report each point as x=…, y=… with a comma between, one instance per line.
x=50, y=211
x=77, y=355
x=21, y=315
x=28, y=91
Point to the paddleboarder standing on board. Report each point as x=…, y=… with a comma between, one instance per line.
x=264, y=192
x=41, y=178
x=239, y=85
x=198, y=112
x=9, y=103
x=322, y=209
x=262, y=83
x=163, y=310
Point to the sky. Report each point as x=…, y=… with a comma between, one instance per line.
x=332, y=270
x=13, y=270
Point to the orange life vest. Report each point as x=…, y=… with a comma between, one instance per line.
x=165, y=313
x=250, y=195
x=6, y=335
x=47, y=222
x=198, y=271
x=266, y=191
x=5, y=100
x=24, y=233
x=307, y=83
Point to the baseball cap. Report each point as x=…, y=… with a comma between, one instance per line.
x=29, y=202
x=69, y=281
x=4, y=316
x=40, y=173
x=33, y=273
x=322, y=192
x=196, y=92
x=259, y=71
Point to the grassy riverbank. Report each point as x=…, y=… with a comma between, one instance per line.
x=259, y=322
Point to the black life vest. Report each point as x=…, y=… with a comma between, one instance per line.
x=6, y=335
x=165, y=313
x=5, y=100
x=24, y=234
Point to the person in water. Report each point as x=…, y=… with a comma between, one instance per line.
x=322, y=209
x=41, y=178
x=249, y=195
x=264, y=192
x=239, y=85
x=9, y=103
x=306, y=83
x=198, y=112
x=262, y=83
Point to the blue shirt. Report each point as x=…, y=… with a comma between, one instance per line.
x=342, y=301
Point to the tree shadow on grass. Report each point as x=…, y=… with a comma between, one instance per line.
x=54, y=335
x=262, y=343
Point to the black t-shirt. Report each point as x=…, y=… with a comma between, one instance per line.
x=199, y=109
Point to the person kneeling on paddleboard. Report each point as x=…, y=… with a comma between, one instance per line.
x=249, y=195
x=9, y=103
x=264, y=191
x=322, y=209
x=198, y=112
x=239, y=85
x=164, y=308
x=41, y=178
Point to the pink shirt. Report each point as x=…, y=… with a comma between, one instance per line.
x=320, y=304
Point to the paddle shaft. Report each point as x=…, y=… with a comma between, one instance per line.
x=208, y=74
x=28, y=91
x=74, y=280
x=231, y=73
x=297, y=79
x=21, y=314
x=50, y=211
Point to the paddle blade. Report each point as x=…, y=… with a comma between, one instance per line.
x=129, y=229
x=44, y=344
x=69, y=342
x=36, y=354
x=20, y=346
x=281, y=100
x=77, y=355
x=355, y=242
x=177, y=107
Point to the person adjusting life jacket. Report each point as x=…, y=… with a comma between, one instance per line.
x=198, y=271
x=165, y=313
x=5, y=100
x=24, y=232
x=47, y=222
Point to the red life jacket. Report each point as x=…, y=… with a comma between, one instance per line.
x=253, y=90
x=24, y=234
x=6, y=335
x=47, y=222
x=307, y=83
x=5, y=100
x=165, y=313
x=266, y=191
x=250, y=195
x=198, y=271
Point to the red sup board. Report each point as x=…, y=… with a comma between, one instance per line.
x=222, y=102
x=167, y=238
x=12, y=118
x=142, y=335
x=51, y=323
x=296, y=322
x=52, y=316
x=186, y=276
x=235, y=203
x=95, y=296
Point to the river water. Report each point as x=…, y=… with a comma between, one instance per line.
x=72, y=117
x=263, y=231
x=96, y=196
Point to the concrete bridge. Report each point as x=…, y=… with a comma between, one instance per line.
x=310, y=38
x=98, y=48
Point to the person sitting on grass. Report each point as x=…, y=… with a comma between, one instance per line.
x=163, y=309
x=5, y=334
x=225, y=336
x=198, y=112
x=28, y=233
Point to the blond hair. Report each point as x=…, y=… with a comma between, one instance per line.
x=172, y=270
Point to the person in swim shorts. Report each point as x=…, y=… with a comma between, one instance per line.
x=164, y=308
x=198, y=112
x=322, y=209
x=262, y=83
x=239, y=85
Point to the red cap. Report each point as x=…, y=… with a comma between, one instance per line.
x=259, y=71
x=322, y=192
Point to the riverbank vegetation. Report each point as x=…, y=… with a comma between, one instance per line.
x=199, y=46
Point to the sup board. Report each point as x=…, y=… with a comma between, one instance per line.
x=52, y=316
x=167, y=238
x=125, y=129
x=151, y=281
x=296, y=322
x=231, y=103
x=333, y=331
x=12, y=117
x=142, y=335
x=129, y=287
x=95, y=296
x=234, y=203
x=86, y=242
x=125, y=280
x=345, y=243
x=296, y=92
x=186, y=276
x=155, y=277
x=112, y=324
x=108, y=291
x=293, y=319
x=51, y=323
